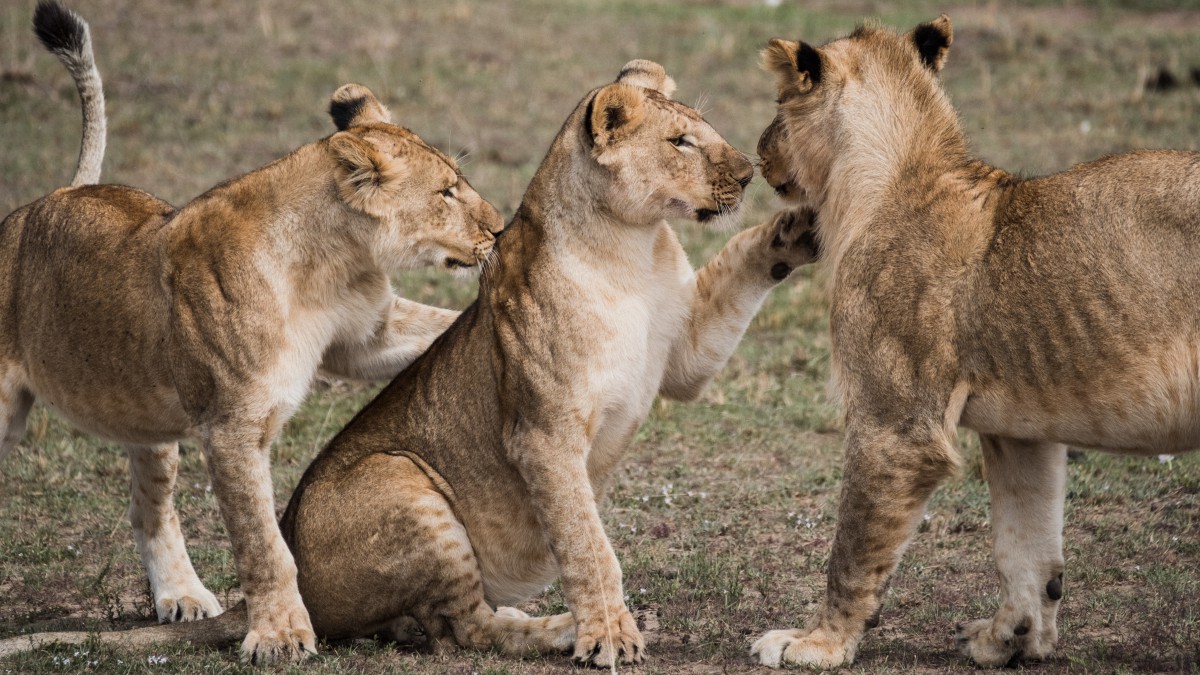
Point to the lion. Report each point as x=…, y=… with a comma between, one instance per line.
x=146, y=324
x=473, y=480
x=1038, y=312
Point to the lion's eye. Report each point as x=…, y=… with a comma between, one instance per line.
x=683, y=141
x=450, y=192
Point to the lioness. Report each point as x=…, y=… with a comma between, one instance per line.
x=1037, y=312
x=146, y=324
x=472, y=481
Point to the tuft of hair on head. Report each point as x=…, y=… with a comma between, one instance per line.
x=354, y=105
x=647, y=74
x=61, y=30
x=932, y=40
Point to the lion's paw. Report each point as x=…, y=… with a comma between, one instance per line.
x=602, y=644
x=802, y=648
x=280, y=638
x=793, y=241
x=190, y=602
x=988, y=642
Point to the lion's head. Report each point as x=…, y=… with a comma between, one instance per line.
x=654, y=158
x=812, y=119
x=427, y=211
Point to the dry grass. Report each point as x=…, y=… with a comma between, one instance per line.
x=723, y=514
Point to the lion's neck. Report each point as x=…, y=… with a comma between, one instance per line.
x=911, y=152
x=574, y=227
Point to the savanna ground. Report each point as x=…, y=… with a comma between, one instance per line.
x=724, y=512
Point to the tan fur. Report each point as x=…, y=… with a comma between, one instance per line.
x=473, y=480
x=1037, y=312
x=146, y=324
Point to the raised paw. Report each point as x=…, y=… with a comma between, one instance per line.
x=802, y=648
x=993, y=643
x=793, y=241
x=277, y=638
x=187, y=605
x=602, y=643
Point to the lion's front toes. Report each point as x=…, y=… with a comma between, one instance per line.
x=989, y=642
x=793, y=241
x=289, y=637
x=801, y=648
x=604, y=643
x=983, y=643
x=186, y=604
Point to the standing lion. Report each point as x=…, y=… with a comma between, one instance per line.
x=1056, y=310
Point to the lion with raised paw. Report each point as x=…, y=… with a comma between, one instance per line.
x=473, y=480
x=1038, y=312
x=146, y=324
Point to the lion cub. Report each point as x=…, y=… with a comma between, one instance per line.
x=146, y=324
x=1038, y=312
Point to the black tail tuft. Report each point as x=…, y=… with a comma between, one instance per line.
x=59, y=29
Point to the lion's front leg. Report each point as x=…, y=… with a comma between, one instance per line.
x=553, y=465
x=238, y=456
x=728, y=292
x=888, y=477
x=1026, y=481
x=403, y=333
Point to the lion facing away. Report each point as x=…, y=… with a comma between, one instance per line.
x=473, y=480
x=1038, y=312
x=145, y=324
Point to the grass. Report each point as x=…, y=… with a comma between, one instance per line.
x=724, y=510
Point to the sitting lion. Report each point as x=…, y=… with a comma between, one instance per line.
x=146, y=324
x=1038, y=312
x=472, y=481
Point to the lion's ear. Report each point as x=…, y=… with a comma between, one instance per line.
x=932, y=40
x=647, y=74
x=365, y=175
x=613, y=113
x=795, y=64
x=353, y=104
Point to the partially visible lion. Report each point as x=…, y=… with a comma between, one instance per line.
x=473, y=480
x=1038, y=312
x=145, y=324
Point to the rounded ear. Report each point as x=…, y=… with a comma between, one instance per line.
x=932, y=40
x=365, y=174
x=613, y=113
x=795, y=64
x=647, y=74
x=353, y=104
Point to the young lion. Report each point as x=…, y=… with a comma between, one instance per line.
x=472, y=481
x=1037, y=312
x=146, y=324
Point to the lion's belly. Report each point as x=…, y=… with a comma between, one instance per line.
x=1151, y=408
x=130, y=408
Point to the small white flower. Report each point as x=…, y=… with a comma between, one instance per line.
x=1165, y=459
x=1085, y=127
x=928, y=517
x=642, y=591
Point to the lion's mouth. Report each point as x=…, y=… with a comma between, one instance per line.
x=455, y=263
x=705, y=215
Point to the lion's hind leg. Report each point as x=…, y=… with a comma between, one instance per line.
x=15, y=402
x=179, y=595
x=1026, y=481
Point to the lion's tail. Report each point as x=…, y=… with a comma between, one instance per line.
x=220, y=630
x=67, y=36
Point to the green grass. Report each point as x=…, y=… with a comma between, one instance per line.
x=724, y=509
